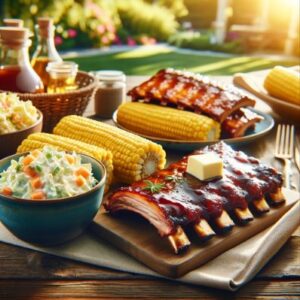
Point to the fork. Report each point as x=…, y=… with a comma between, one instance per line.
x=284, y=149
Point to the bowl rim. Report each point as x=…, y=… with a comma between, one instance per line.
x=39, y=120
x=56, y=200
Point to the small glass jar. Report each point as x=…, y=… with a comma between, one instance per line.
x=110, y=92
x=62, y=77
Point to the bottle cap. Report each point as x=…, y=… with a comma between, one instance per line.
x=110, y=75
x=13, y=22
x=14, y=36
x=45, y=27
x=45, y=22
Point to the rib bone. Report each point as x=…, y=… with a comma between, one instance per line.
x=179, y=241
x=203, y=230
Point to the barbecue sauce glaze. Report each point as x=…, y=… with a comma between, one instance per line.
x=185, y=199
x=192, y=92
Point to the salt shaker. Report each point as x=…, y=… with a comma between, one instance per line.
x=110, y=92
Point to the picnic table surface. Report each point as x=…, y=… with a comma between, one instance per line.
x=28, y=274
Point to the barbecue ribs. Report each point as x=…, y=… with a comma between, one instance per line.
x=186, y=90
x=172, y=199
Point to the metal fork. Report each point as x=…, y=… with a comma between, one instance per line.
x=284, y=149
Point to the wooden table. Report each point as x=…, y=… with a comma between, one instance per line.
x=26, y=274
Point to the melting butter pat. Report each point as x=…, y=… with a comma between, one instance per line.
x=205, y=166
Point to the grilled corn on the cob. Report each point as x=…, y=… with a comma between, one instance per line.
x=134, y=158
x=165, y=122
x=284, y=83
x=39, y=140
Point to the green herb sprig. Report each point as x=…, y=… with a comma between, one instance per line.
x=153, y=187
x=174, y=178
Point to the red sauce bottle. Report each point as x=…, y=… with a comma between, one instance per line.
x=16, y=73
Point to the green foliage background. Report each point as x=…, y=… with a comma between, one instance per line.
x=98, y=22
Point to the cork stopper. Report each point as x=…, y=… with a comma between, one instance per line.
x=13, y=22
x=14, y=36
x=45, y=26
x=45, y=22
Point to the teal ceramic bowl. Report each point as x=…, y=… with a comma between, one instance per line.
x=53, y=221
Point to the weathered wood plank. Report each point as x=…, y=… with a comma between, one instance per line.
x=19, y=263
x=155, y=289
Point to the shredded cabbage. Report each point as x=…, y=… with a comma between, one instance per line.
x=16, y=114
x=57, y=175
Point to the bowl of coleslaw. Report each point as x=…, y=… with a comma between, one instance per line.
x=49, y=196
x=18, y=119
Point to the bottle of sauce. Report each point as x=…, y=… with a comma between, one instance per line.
x=45, y=51
x=13, y=22
x=16, y=72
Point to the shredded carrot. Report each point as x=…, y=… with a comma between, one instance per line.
x=36, y=183
x=38, y=195
x=28, y=159
x=16, y=119
x=36, y=152
x=83, y=172
x=70, y=159
x=7, y=191
x=30, y=171
x=80, y=180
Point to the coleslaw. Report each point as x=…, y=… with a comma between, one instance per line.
x=16, y=114
x=47, y=174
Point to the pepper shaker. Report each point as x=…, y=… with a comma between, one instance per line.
x=110, y=92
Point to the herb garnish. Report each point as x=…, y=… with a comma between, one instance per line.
x=38, y=168
x=56, y=170
x=174, y=178
x=153, y=187
x=18, y=168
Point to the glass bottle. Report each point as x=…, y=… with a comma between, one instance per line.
x=13, y=22
x=62, y=77
x=16, y=72
x=45, y=51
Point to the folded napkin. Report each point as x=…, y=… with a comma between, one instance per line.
x=228, y=271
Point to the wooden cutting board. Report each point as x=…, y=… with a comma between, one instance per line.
x=137, y=237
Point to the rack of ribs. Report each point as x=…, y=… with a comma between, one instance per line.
x=172, y=199
x=189, y=91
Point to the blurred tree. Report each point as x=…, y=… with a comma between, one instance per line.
x=93, y=21
x=138, y=17
x=97, y=22
x=177, y=7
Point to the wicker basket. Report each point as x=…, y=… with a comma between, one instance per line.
x=56, y=106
